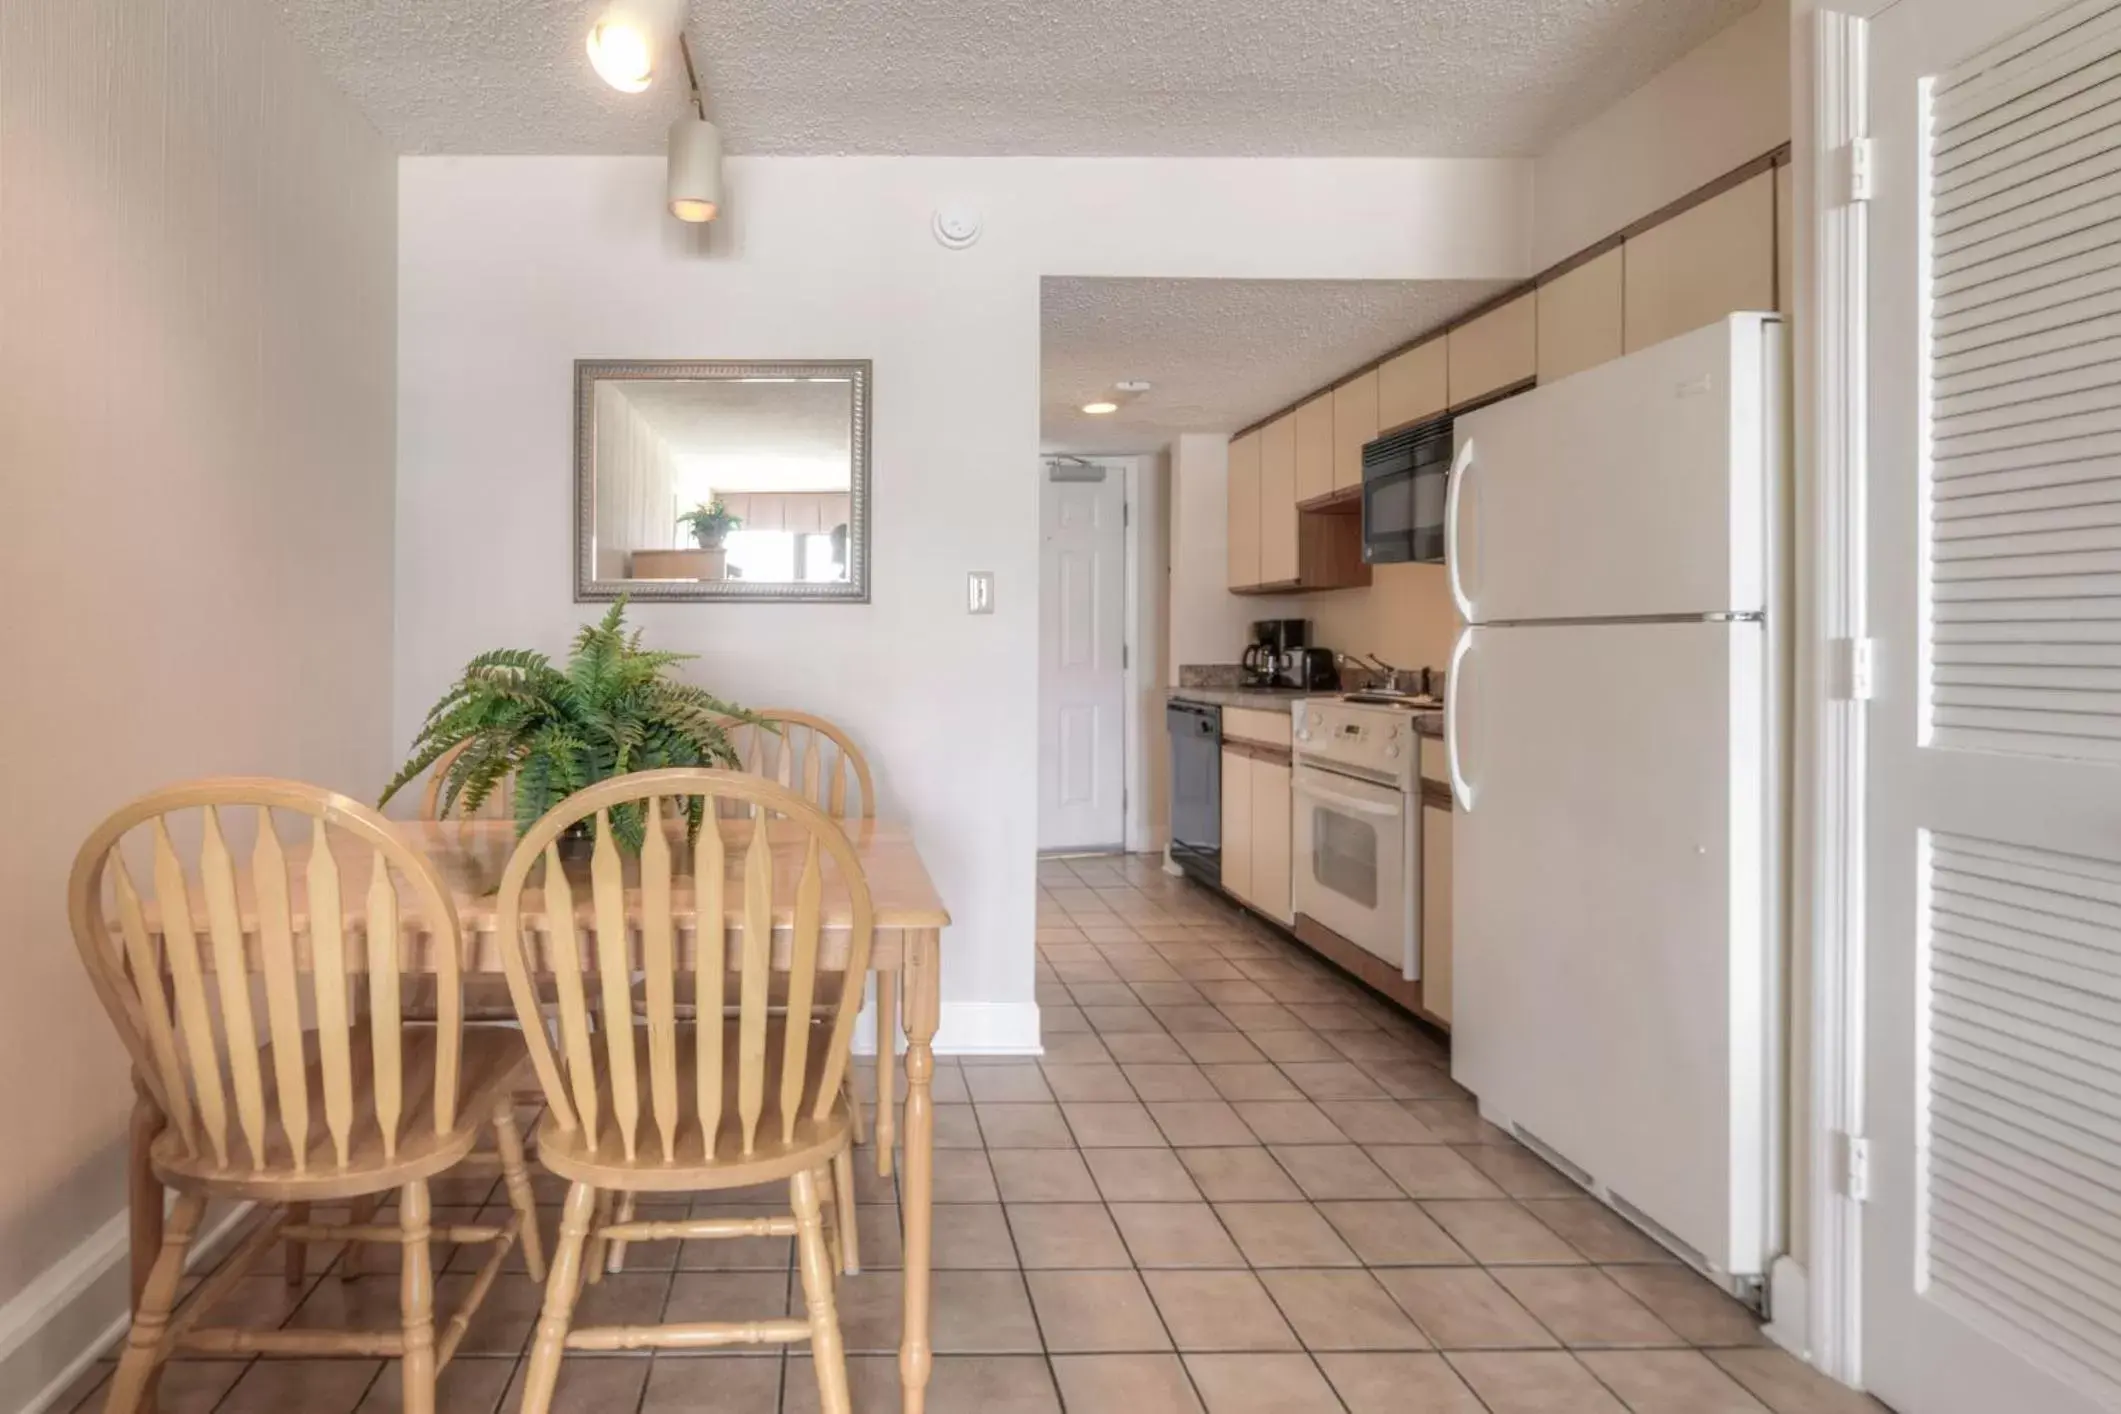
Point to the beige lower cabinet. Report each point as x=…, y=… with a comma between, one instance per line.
x=1237, y=823
x=1269, y=857
x=1436, y=911
x=1256, y=829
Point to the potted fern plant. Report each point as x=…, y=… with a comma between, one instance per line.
x=710, y=523
x=612, y=709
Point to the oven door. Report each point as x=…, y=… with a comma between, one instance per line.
x=1353, y=850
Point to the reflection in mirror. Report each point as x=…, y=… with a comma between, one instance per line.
x=722, y=481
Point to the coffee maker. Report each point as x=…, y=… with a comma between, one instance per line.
x=1276, y=645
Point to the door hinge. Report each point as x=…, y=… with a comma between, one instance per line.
x=1860, y=169
x=1126, y=514
x=1855, y=669
x=1856, y=1167
x=1126, y=657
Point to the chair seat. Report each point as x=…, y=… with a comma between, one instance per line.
x=492, y=1067
x=568, y=1154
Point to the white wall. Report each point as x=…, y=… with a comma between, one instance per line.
x=510, y=268
x=196, y=310
x=1724, y=103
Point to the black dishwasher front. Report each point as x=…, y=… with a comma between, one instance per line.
x=1196, y=788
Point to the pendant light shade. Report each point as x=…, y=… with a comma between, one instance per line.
x=695, y=169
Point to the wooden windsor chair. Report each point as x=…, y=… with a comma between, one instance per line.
x=500, y=805
x=819, y=760
x=358, y=1106
x=742, y=1089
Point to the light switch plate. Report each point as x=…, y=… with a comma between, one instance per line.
x=979, y=592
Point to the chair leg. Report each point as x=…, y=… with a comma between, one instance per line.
x=562, y=1283
x=826, y=1351
x=297, y=1252
x=854, y=1109
x=828, y=1219
x=616, y=1261
x=599, y=1245
x=416, y=1297
x=136, y=1367
x=515, y=1177
x=843, y=1188
x=362, y=1212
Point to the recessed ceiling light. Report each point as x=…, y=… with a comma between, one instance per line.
x=1100, y=409
x=621, y=55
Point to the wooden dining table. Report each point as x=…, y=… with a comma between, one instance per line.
x=909, y=918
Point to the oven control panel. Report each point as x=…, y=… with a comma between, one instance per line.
x=1372, y=738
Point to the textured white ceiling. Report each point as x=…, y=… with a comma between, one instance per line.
x=707, y=416
x=1220, y=353
x=1034, y=77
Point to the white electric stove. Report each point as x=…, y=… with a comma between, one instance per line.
x=1357, y=831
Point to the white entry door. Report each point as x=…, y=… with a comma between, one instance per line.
x=1992, y=1236
x=1082, y=665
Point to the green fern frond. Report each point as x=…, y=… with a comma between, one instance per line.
x=611, y=709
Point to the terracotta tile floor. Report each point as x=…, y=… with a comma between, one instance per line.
x=1234, y=1183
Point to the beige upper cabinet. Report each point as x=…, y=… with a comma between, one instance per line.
x=1277, y=501
x=1496, y=351
x=1704, y=263
x=1244, y=511
x=1580, y=317
x=1354, y=423
x=1413, y=386
x=1314, y=448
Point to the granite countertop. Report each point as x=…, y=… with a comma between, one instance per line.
x=1266, y=699
x=1429, y=724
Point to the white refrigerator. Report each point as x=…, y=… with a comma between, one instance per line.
x=1614, y=731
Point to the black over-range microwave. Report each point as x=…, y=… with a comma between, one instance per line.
x=1405, y=477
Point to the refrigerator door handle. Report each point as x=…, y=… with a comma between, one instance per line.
x=1461, y=467
x=1461, y=788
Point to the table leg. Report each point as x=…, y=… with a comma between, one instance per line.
x=886, y=1069
x=923, y=983
x=143, y=1196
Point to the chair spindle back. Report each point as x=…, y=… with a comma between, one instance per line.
x=291, y=930
x=499, y=805
x=732, y=878
x=809, y=755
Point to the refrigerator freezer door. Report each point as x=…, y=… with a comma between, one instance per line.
x=1632, y=489
x=1613, y=911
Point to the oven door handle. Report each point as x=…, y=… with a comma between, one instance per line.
x=1349, y=802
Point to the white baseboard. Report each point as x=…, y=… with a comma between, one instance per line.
x=1790, y=1308
x=970, y=1029
x=74, y=1310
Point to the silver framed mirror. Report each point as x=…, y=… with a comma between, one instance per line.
x=734, y=482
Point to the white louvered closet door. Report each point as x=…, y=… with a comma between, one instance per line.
x=1992, y=1240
